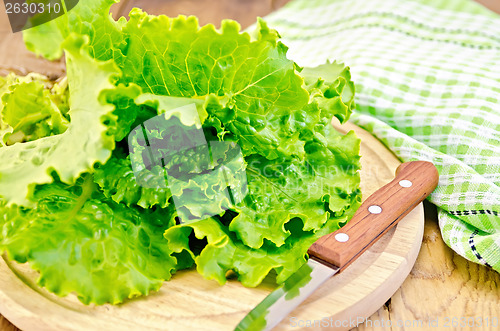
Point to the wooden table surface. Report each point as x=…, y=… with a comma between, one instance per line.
x=442, y=285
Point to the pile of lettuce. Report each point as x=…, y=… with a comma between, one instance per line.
x=71, y=205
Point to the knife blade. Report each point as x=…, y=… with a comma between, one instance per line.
x=334, y=252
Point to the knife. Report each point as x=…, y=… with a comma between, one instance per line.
x=334, y=252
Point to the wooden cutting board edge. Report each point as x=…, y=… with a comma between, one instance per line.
x=348, y=298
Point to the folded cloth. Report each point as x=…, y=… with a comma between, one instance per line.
x=427, y=74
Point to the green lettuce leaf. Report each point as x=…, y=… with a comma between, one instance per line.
x=85, y=142
x=323, y=186
x=301, y=175
x=291, y=202
x=118, y=181
x=24, y=94
x=126, y=111
x=248, y=85
x=216, y=251
x=90, y=18
x=7, y=82
x=30, y=112
x=81, y=242
x=224, y=252
x=176, y=57
x=281, y=190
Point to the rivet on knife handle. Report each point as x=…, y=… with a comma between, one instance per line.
x=381, y=211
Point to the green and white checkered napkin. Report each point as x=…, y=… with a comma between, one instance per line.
x=428, y=86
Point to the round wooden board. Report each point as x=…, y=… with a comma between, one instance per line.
x=190, y=302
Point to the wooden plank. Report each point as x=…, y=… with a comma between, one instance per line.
x=442, y=289
x=6, y=325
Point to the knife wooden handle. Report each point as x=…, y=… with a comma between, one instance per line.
x=381, y=211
